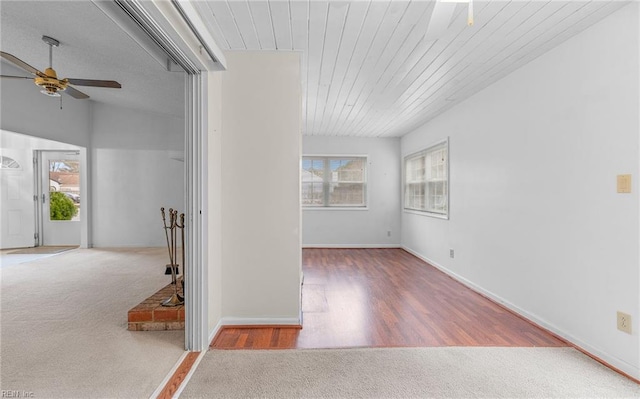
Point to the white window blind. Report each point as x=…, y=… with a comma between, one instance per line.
x=329, y=181
x=426, y=185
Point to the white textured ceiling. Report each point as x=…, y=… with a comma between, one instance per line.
x=368, y=68
x=92, y=47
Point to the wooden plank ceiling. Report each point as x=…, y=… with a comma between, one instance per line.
x=368, y=69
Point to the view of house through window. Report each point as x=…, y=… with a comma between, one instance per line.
x=64, y=190
x=335, y=181
x=426, y=180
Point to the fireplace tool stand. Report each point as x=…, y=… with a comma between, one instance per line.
x=171, y=235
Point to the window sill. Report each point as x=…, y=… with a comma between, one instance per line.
x=335, y=208
x=429, y=214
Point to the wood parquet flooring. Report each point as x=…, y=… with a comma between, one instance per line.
x=387, y=298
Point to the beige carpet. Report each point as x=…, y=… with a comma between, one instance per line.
x=406, y=373
x=64, y=325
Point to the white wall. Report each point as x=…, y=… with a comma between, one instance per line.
x=261, y=143
x=25, y=110
x=214, y=208
x=535, y=218
x=136, y=170
x=18, y=140
x=358, y=228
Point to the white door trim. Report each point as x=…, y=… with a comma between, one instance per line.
x=57, y=232
x=85, y=190
x=196, y=280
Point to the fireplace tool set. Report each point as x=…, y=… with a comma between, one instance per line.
x=171, y=234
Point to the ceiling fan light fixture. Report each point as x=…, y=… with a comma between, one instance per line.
x=50, y=93
x=50, y=85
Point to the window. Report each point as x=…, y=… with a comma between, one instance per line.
x=64, y=189
x=426, y=180
x=336, y=181
x=8, y=163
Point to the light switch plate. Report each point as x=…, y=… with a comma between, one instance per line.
x=624, y=184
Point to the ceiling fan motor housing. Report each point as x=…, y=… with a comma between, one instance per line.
x=50, y=83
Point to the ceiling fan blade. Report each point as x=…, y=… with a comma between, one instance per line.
x=440, y=19
x=18, y=62
x=75, y=93
x=95, y=83
x=16, y=77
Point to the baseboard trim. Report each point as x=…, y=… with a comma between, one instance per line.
x=613, y=363
x=355, y=246
x=213, y=334
x=261, y=321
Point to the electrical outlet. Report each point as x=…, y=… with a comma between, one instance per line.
x=389, y=233
x=451, y=253
x=624, y=322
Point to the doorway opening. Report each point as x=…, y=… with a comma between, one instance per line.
x=26, y=183
x=58, y=204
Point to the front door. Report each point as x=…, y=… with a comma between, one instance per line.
x=17, y=221
x=60, y=198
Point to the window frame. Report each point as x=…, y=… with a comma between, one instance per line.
x=326, y=205
x=444, y=143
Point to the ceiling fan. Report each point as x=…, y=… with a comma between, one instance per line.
x=48, y=80
x=442, y=16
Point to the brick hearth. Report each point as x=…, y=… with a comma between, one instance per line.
x=150, y=315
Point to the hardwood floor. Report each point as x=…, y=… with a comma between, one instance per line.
x=387, y=298
x=178, y=377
